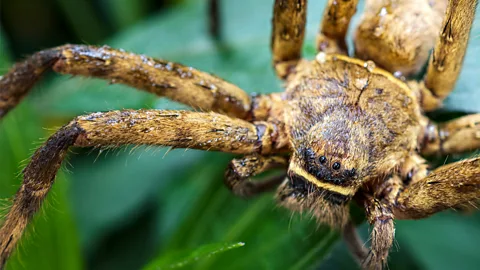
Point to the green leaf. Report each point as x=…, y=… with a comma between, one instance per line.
x=108, y=187
x=180, y=259
x=124, y=13
x=5, y=60
x=83, y=20
x=443, y=241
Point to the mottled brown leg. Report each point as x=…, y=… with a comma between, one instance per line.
x=240, y=171
x=398, y=35
x=37, y=181
x=334, y=26
x=456, y=136
x=379, y=214
x=267, y=107
x=446, y=60
x=413, y=169
x=380, y=218
x=354, y=242
x=15, y=84
x=180, y=83
x=456, y=185
x=289, y=17
x=179, y=129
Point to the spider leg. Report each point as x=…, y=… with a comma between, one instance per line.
x=180, y=83
x=456, y=136
x=447, y=57
x=334, y=26
x=179, y=129
x=380, y=218
x=289, y=17
x=456, y=185
x=239, y=172
x=354, y=242
x=398, y=36
x=413, y=169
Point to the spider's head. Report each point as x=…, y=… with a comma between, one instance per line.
x=327, y=168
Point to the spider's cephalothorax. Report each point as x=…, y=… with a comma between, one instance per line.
x=344, y=129
x=341, y=118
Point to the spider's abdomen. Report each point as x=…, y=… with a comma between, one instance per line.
x=353, y=109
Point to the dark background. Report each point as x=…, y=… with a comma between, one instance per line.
x=126, y=209
x=29, y=24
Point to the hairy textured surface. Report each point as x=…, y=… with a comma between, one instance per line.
x=289, y=19
x=38, y=178
x=180, y=83
x=383, y=232
x=349, y=131
x=446, y=60
x=453, y=137
x=398, y=36
x=352, y=114
x=298, y=194
x=206, y=131
x=334, y=26
x=239, y=173
x=16, y=84
x=450, y=186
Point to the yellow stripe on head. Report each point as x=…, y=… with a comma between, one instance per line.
x=346, y=191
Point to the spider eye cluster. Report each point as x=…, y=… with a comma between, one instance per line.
x=336, y=166
x=325, y=170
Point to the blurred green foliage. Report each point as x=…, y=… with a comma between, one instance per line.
x=180, y=259
x=144, y=208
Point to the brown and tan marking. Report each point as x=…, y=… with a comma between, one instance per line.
x=288, y=31
x=334, y=26
x=344, y=130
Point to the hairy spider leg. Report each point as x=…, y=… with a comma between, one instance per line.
x=288, y=31
x=380, y=217
x=453, y=137
x=446, y=59
x=455, y=185
x=398, y=36
x=334, y=26
x=179, y=129
x=379, y=214
x=239, y=173
x=187, y=85
x=452, y=186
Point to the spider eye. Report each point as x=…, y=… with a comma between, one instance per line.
x=352, y=172
x=336, y=165
x=322, y=159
